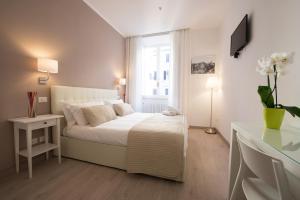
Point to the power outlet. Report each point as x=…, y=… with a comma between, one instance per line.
x=43, y=99
x=38, y=140
x=35, y=141
x=42, y=139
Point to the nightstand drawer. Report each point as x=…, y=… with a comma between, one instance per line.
x=43, y=124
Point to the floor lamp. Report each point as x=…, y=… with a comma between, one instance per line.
x=212, y=83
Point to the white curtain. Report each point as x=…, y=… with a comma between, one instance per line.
x=180, y=68
x=134, y=72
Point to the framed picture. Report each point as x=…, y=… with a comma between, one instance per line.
x=203, y=64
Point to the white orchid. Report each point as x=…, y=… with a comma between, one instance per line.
x=265, y=66
x=278, y=61
x=280, y=58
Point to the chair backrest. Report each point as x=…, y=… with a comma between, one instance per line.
x=261, y=164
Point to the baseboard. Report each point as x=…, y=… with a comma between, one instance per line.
x=198, y=127
x=218, y=132
x=223, y=138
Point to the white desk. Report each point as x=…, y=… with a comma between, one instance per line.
x=283, y=144
x=30, y=124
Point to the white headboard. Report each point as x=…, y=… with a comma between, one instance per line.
x=61, y=94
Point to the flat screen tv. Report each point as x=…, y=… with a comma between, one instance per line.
x=239, y=38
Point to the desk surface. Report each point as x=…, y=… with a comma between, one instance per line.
x=285, y=141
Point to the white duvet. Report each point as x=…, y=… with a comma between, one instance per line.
x=114, y=132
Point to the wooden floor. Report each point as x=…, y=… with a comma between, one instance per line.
x=206, y=178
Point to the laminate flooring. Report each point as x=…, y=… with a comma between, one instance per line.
x=206, y=178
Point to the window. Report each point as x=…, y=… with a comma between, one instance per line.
x=167, y=58
x=156, y=67
x=155, y=75
x=154, y=92
x=166, y=75
x=166, y=91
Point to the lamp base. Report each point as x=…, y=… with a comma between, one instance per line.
x=211, y=131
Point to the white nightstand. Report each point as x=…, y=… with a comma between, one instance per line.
x=30, y=124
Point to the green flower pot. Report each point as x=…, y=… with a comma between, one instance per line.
x=273, y=117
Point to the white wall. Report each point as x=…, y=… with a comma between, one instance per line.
x=275, y=28
x=203, y=42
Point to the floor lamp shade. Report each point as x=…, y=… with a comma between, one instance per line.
x=212, y=82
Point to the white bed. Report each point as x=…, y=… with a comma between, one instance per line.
x=105, y=144
x=114, y=132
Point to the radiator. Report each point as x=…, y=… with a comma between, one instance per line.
x=154, y=104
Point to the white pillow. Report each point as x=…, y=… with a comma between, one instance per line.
x=169, y=113
x=68, y=115
x=99, y=114
x=123, y=109
x=77, y=113
x=173, y=110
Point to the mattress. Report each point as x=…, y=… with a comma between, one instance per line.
x=114, y=132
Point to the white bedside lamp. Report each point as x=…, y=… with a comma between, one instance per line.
x=122, y=82
x=48, y=66
x=212, y=83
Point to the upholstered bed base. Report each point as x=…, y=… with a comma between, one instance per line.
x=102, y=154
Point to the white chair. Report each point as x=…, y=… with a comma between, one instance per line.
x=270, y=181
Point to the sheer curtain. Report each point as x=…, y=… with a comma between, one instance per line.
x=179, y=73
x=134, y=72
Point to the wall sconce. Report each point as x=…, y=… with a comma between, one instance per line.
x=48, y=66
x=122, y=82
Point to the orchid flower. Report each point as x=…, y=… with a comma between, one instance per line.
x=265, y=66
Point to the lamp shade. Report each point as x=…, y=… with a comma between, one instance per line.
x=47, y=65
x=122, y=81
x=212, y=82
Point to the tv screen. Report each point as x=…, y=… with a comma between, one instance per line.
x=239, y=38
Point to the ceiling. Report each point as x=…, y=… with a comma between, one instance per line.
x=139, y=17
